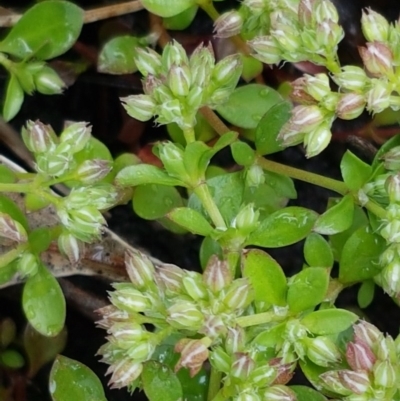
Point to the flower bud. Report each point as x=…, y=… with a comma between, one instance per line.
x=220, y=360
x=235, y=340
x=329, y=34
x=284, y=370
x=179, y=79
x=393, y=188
x=124, y=373
x=228, y=24
x=377, y=58
x=195, y=98
x=93, y=170
x=185, y=315
x=71, y=247
x=391, y=232
x=238, y=295
x=127, y=298
x=12, y=229
x=127, y=332
x=299, y=93
x=360, y=356
x=170, y=112
x=350, y=106
x=322, y=351
x=147, y=61
x=317, y=140
x=385, y=374
x=267, y=49
x=213, y=327
x=375, y=27
x=248, y=396
x=172, y=157
x=294, y=331
x=391, y=159
x=140, y=107
x=263, y=376
x=48, y=82
x=331, y=382
x=255, y=176
x=141, y=351
x=38, y=137
x=290, y=135
x=279, y=393
x=317, y=86
x=217, y=275
x=150, y=83
x=306, y=118
x=140, y=269
x=173, y=53
x=246, y=220
x=77, y=135
x=170, y=276
x=305, y=13
x=242, y=365
x=193, y=354
x=162, y=94
x=227, y=72
x=357, y=382
x=54, y=164
x=386, y=349
x=219, y=96
x=287, y=37
x=194, y=286
x=28, y=265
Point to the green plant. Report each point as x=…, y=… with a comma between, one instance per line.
x=253, y=324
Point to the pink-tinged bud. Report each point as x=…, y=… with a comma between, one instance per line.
x=147, y=61
x=127, y=298
x=242, y=365
x=228, y=24
x=322, y=351
x=185, y=315
x=393, y=188
x=170, y=276
x=235, y=340
x=263, y=376
x=351, y=78
x=239, y=294
x=325, y=10
x=317, y=140
x=71, y=247
x=367, y=333
x=77, y=135
x=377, y=58
x=279, y=393
x=385, y=374
x=110, y=315
x=360, y=356
x=227, y=72
x=391, y=159
x=173, y=53
x=267, y=50
x=220, y=360
x=150, y=83
x=92, y=171
x=306, y=118
x=287, y=37
x=305, y=12
x=193, y=354
x=378, y=97
x=299, y=92
x=254, y=5
x=179, y=79
x=329, y=34
x=357, y=382
x=38, y=137
x=140, y=269
x=375, y=27
x=217, y=275
x=124, y=373
x=386, y=349
x=284, y=371
x=331, y=382
x=213, y=327
x=317, y=86
x=194, y=286
x=12, y=229
x=140, y=107
x=350, y=106
x=289, y=135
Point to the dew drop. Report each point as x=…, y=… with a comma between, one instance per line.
x=264, y=92
x=256, y=117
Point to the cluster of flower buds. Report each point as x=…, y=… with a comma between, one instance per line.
x=309, y=31
x=373, y=372
x=176, y=86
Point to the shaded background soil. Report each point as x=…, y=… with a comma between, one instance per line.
x=94, y=98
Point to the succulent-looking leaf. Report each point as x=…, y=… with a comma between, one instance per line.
x=355, y=172
x=317, y=251
x=180, y=21
x=366, y=293
x=14, y=98
x=167, y=8
x=191, y=220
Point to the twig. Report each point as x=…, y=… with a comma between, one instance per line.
x=10, y=18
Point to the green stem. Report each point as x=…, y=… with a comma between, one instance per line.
x=214, y=385
x=189, y=135
x=203, y=192
x=15, y=187
x=312, y=178
x=258, y=318
x=377, y=210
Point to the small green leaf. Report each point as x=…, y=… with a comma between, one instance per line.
x=34, y=202
x=355, y=172
x=360, y=256
x=70, y=380
x=44, y=303
x=329, y=321
x=180, y=21
x=160, y=383
x=145, y=174
x=317, y=251
x=266, y=277
x=307, y=289
x=337, y=218
x=57, y=25
x=117, y=56
x=13, y=99
x=248, y=104
x=304, y=393
x=153, y=201
x=270, y=337
x=251, y=67
x=190, y=219
x=242, y=153
x=266, y=137
x=282, y=184
x=208, y=248
x=39, y=239
x=366, y=293
x=11, y=359
x=284, y=227
x=11, y=208
x=167, y=8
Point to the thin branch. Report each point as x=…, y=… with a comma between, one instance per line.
x=9, y=18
